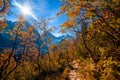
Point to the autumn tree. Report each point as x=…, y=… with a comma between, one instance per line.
x=99, y=32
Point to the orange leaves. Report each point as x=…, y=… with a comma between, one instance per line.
x=52, y=47
x=30, y=29
x=74, y=12
x=1, y=3
x=77, y=9
x=107, y=15
x=24, y=35
x=2, y=25
x=69, y=24
x=63, y=9
x=3, y=57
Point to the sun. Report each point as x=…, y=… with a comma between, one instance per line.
x=25, y=9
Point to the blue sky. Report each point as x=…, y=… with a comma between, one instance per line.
x=41, y=8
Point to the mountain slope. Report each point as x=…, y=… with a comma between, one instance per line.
x=5, y=41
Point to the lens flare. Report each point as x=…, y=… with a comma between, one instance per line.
x=25, y=9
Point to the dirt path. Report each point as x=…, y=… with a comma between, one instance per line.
x=73, y=74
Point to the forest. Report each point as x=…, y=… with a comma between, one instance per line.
x=93, y=53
